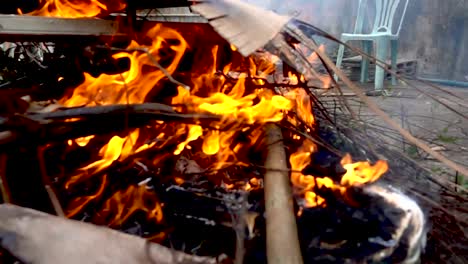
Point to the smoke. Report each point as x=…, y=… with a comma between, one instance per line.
x=434, y=32
x=335, y=16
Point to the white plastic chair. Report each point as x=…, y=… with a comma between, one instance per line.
x=381, y=34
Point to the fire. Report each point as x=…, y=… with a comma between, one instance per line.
x=76, y=9
x=313, y=57
x=306, y=184
x=211, y=144
x=270, y=107
x=237, y=94
x=83, y=141
x=118, y=148
x=361, y=172
x=293, y=78
x=234, y=104
x=314, y=60
x=134, y=85
x=123, y=204
x=77, y=204
x=358, y=173
x=303, y=106
x=194, y=133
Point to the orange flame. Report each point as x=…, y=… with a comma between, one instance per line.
x=269, y=108
x=123, y=204
x=358, y=173
x=236, y=104
x=233, y=104
x=306, y=184
x=194, y=133
x=134, y=85
x=314, y=59
x=293, y=80
x=83, y=141
x=361, y=172
x=118, y=148
x=303, y=105
x=77, y=204
x=76, y=9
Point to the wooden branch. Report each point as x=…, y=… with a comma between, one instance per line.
x=48, y=186
x=36, y=237
x=66, y=113
x=282, y=238
x=79, y=122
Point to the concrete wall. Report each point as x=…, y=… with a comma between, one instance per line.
x=435, y=31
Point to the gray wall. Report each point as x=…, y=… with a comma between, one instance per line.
x=435, y=32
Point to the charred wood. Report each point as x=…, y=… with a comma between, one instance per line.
x=78, y=122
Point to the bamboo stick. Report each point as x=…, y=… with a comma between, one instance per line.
x=281, y=230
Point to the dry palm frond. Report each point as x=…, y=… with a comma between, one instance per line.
x=231, y=18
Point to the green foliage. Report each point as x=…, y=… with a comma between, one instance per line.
x=436, y=170
x=444, y=137
x=413, y=152
x=461, y=180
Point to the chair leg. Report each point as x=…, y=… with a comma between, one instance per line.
x=339, y=58
x=381, y=55
x=366, y=48
x=394, y=54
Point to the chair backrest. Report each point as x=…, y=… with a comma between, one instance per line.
x=385, y=13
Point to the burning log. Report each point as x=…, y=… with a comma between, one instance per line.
x=36, y=237
x=282, y=240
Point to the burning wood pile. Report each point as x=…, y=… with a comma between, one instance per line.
x=175, y=137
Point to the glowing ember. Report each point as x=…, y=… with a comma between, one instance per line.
x=83, y=141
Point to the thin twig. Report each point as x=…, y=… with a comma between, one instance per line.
x=47, y=184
